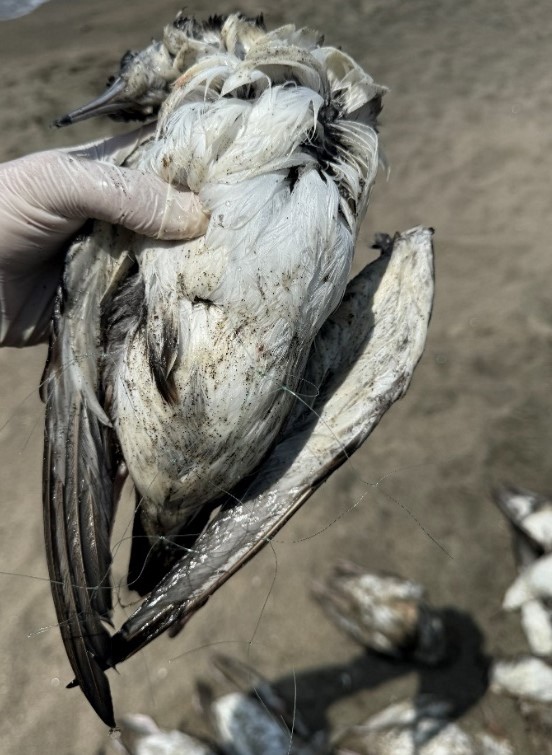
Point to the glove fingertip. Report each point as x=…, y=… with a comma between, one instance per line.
x=184, y=218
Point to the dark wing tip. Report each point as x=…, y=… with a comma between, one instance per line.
x=99, y=696
x=98, y=693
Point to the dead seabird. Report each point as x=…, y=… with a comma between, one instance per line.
x=530, y=518
x=383, y=612
x=252, y=717
x=185, y=360
x=419, y=727
x=528, y=678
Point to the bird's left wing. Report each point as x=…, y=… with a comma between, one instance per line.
x=363, y=361
x=79, y=467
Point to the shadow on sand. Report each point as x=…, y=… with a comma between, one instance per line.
x=462, y=679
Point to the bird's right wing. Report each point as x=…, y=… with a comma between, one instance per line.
x=363, y=360
x=79, y=469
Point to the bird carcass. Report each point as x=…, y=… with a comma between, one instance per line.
x=183, y=362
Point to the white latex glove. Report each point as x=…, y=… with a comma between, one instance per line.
x=47, y=196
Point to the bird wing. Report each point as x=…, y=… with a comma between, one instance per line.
x=79, y=469
x=363, y=361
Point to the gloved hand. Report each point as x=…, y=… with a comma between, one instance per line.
x=47, y=196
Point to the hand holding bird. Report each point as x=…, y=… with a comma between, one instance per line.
x=46, y=197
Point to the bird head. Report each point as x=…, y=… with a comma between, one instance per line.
x=144, y=79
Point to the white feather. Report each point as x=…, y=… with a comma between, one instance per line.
x=250, y=297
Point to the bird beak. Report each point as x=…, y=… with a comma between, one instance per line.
x=106, y=103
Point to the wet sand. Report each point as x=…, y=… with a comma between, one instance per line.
x=466, y=127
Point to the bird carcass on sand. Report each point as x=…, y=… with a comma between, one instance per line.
x=185, y=361
x=384, y=612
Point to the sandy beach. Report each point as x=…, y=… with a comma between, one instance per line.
x=466, y=129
